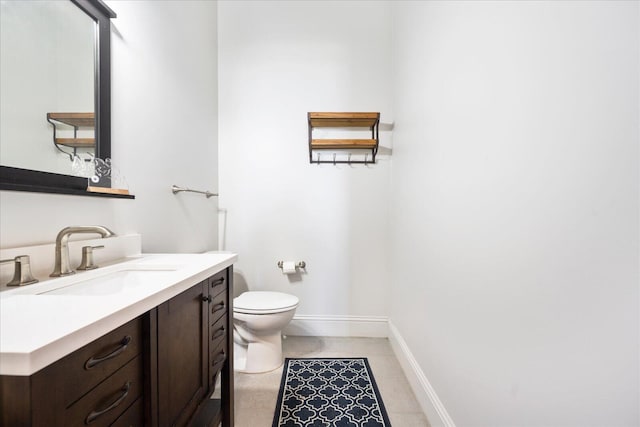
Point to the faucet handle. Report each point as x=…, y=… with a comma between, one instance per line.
x=87, y=258
x=22, y=271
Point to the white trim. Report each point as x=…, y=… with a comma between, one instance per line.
x=338, y=326
x=426, y=395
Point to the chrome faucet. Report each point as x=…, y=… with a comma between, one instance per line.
x=62, y=267
x=22, y=272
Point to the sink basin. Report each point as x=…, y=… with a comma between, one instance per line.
x=113, y=283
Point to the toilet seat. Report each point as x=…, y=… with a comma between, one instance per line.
x=263, y=302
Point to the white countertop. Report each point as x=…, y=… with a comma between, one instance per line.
x=38, y=326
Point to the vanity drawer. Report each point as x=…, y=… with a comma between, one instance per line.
x=87, y=367
x=218, y=333
x=132, y=417
x=105, y=403
x=217, y=283
x=217, y=359
x=218, y=306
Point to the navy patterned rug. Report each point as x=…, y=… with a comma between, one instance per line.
x=329, y=393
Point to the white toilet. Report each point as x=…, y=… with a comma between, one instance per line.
x=258, y=320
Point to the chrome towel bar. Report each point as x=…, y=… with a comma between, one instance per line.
x=175, y=189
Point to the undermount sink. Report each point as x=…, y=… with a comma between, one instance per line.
x=113, y=283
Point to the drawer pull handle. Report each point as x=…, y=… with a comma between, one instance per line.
x=220, y=281
x=218, y=333
x=93, y=361
x=218, y=307
x=95, y=414
x=219, y=359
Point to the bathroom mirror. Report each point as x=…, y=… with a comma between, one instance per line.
x=55, y=84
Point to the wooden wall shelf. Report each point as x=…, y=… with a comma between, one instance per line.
x=77, y=121
x=87, y=120
x=369, y=121
x=76, y=142
x=343, y=144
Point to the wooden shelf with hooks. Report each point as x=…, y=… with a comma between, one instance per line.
x=370, y=121
x=77, y=121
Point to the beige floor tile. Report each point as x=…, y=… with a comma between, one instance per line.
x=320, y=354
x=258, y=398
x=257, y=390
x=354, y=347
x=385, y=367
x=253, y=417
x=406, y=419
x=258, y=380
x=397, y=396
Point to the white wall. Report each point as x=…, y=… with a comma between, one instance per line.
x=515, y=206
x=278, y=61
x=164, y=132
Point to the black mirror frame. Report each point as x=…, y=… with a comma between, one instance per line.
x=17, y=179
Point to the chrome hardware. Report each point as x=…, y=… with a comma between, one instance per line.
x=62, y=267
x=96, y=360
x=219, y=358
x=218, y=333
x=175, y=189
x=219, y=306
x=98, y=412
x=87, y=258
x=218, y=282
x=22, y=272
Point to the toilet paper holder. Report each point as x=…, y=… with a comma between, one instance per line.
x=299, y=264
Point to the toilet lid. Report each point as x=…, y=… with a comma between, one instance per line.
x=262, y=302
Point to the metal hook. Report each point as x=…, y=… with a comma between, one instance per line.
x=349, y=159
x=365, y=158
x=334, y=159
x=318, y=158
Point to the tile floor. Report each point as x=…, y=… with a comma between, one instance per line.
x=256, y=394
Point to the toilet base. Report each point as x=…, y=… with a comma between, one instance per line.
x=257, y=357
x=257, y=336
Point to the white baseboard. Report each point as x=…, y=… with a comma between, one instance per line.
x=338, y=326
x=425, y=394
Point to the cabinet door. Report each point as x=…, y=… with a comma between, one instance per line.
x=182, y=355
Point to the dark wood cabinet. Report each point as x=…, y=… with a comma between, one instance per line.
x=158, y=370
x=193, y=348
x=182, y=355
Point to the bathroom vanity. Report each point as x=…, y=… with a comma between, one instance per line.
x=138, y=343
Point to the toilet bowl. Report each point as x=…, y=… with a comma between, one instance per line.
x=258, y=320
